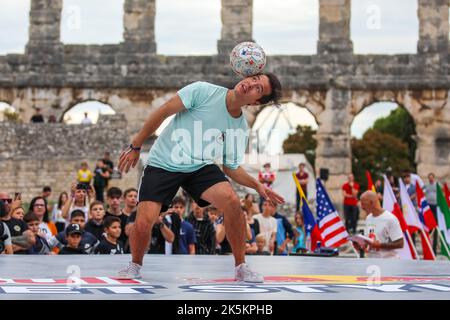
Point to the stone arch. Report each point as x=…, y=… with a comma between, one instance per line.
x=62, y=117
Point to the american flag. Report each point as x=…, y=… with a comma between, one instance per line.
x=331, y=228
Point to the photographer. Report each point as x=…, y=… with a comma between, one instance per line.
x=81, y=196
x=5, y=236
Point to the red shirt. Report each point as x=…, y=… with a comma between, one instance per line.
x=302, y=176
x=350, y=201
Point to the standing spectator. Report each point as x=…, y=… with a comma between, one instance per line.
x=299, y=234
x=100, y=180
x=88, y=241
x=84, y=175
x=130, y=200
x=350, y=191
x=41, y=245
x=114, y=201
x=252, y=222
x=57, y=216
x=38, y=206
x=379, y=189
x=431, y=195
x=86, y=119
x=79, y=199
x=109, y=165
x=52, y=119
x=204, y=230
x=95, y=223
x=284, y=233
x=266, y=177
x=73, y=237
x=4, y=230
x=46, y=193
x=250, y=204
x=186, y=238
x=37, y=117
x=383, y=225
x=410, y=188
x=18, y=213
x=261, y=245
x=111, y=243
x=268, y=225
x=302, y=177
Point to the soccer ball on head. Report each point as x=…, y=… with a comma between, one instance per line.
x=247, y=59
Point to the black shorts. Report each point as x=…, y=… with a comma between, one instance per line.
x=160, y=185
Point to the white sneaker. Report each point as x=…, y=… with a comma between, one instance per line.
x=244, y=274
x=132, y=271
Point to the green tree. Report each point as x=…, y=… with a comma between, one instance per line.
x=302, y=141
x=400, y=124
x=377, y=152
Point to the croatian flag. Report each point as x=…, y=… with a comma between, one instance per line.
x=331, y=228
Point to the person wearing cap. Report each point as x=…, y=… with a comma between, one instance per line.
x=73, y=238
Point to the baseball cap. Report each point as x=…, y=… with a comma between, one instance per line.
x=73, y=228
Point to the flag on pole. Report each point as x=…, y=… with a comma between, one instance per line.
x=447, y=194
x=425, y=214
x=311, y=227
x=331, y=227
x=390, y=204
x=413, y=221
x=443, y=215
x=370, y=185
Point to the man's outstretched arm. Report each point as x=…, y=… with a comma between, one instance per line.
x=241, y=176
x=130, y=157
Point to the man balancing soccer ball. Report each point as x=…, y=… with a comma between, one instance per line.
x=209, y=125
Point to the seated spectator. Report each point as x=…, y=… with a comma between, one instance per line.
x=284, y=233
x=130, y=200
x=95, y=223
x=18, y=213
x=261, y=244
x=88, y=241
x=38, y=206
x=204, y=230
x=41, y=245
x=268, y=225
x=299, y=234
x=114, y=201
x=72, y=238
x=57, y=217
x=37, y=117
x=110, y=244
x=186, y=234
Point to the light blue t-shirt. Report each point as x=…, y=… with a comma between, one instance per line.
x=204, y=133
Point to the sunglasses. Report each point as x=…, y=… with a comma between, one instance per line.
x=9, y=200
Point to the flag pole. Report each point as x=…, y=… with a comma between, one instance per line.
x=443, y=243
x=428, y=242
x=411, y=243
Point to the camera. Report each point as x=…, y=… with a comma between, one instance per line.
x=83, y=186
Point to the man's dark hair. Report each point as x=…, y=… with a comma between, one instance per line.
x=275, y=94
x=126, y=192
x=114, y=192
x=47, y=189
x=109, y=220
x=178, y=200
x=30, y=217
x=77, y=213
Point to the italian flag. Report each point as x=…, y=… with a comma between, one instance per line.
x=443, y=215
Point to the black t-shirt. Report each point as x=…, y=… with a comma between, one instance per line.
x=16, y=227
x=87, y=244
x=158, y=243
x=68, y=250
x=109, y=164
x=106, y=247
x=37, y=118
x=96, y=229
x=123, y=222
x=255, y=226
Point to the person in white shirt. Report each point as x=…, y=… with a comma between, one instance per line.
x=86, y=119
x=384, y=225
x=268, y=225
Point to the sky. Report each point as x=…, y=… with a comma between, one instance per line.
x=188, y=27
